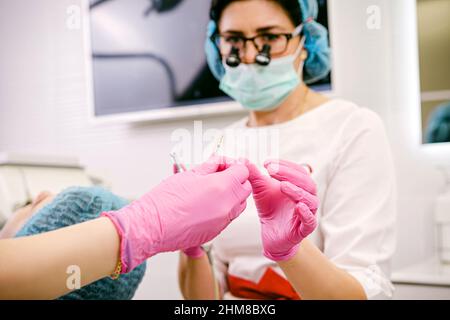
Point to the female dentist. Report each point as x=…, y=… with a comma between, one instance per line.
x=175, y=215
x=265, y=52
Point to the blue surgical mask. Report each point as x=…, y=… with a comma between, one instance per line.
x=262, y=88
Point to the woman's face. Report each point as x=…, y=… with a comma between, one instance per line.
x=22, y=215
x=254, y=17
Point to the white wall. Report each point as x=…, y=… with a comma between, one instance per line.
x=43, y=108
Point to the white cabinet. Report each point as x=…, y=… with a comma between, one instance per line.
x=423, y=281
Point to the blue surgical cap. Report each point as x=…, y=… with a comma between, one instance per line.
x=77, y=205
x=318, y=63
x=438, y=128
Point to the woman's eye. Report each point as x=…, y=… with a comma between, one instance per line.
x=270, y=37
x=233, y=40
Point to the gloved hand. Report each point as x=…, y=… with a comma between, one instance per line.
x=184, y=211
x=286, y=204
x=194, y=252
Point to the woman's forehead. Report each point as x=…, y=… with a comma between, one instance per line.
x=250, y=16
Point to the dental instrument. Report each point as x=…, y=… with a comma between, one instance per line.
x=219, y=145
x=177, y=164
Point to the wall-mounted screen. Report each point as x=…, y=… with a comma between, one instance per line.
x=148, y=55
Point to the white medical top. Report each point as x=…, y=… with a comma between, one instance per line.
x=348, y=149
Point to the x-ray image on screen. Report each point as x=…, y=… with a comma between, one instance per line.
x=149, y=55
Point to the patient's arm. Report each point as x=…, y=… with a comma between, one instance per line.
x=36, y=267
x=195, y=278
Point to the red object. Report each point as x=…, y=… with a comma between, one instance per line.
x=272, y=286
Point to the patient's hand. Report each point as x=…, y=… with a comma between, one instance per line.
x=21, y=216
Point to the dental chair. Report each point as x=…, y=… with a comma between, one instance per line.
x=24, y=176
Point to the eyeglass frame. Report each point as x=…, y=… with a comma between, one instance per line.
x=289, y=36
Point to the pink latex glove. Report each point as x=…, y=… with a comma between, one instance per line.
x=184, y=211
x=286, y=204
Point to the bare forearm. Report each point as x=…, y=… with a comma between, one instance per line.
x=196, y=278
x=315, y=277
x=36, y=267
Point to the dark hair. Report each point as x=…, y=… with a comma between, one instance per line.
x=291, y=7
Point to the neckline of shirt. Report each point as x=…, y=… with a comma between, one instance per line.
x=296, y=120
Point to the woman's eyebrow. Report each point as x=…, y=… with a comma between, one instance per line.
x=237, y=32
x=259, y=30
x=268, y=28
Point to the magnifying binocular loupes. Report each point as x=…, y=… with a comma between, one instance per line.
x=263, y=57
